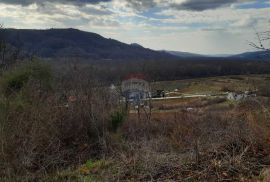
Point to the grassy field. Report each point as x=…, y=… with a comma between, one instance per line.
x=216, y=87
x=214, y=84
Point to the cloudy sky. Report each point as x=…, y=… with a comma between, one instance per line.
x=199, y=26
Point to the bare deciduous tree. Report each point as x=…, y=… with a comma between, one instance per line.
x=2, y=45
x=2, y=49
x=263, y=39
x=9, y=54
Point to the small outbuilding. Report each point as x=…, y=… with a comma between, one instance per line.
x=238, y=96
x=233, y=96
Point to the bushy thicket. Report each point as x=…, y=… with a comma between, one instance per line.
x=15, y=80
x=47, y=122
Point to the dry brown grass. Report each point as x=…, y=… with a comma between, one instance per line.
x=191, y=147
x=41, y=138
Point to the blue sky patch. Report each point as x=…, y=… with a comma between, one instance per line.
x=255, y=5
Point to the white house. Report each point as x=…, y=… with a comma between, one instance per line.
x=135, y=90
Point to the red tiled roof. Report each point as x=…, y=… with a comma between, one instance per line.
x=135, y=76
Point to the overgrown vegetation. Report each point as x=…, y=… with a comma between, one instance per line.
x=68, y=128
x=46, y=125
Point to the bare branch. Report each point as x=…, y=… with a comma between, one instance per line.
x=258, y=47
x=262, y=38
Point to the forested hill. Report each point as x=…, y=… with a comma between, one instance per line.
x=54, y=43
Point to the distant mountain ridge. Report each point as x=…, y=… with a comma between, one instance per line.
x=257, y=55
x=73, y=43
x=53, y=43
x=185, y=54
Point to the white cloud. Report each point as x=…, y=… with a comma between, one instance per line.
x=222, y=30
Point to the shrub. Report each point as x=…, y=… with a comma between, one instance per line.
x=117, y=119
x=16, y=79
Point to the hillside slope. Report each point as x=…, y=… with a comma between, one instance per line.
x=54, y=43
